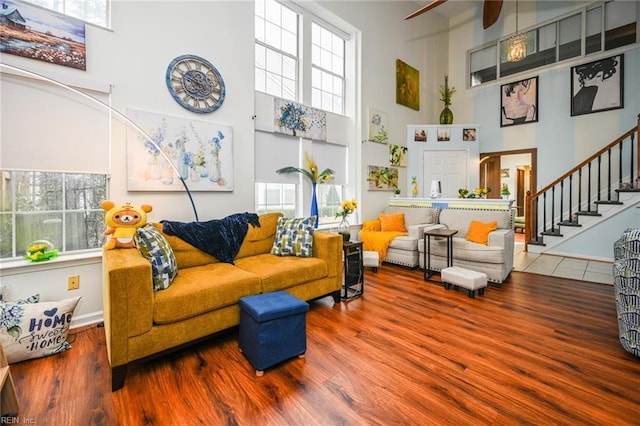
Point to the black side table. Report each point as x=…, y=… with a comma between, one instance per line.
x=353, y=284
x=442, y=233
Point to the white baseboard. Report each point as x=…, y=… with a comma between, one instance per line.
x=86, y=319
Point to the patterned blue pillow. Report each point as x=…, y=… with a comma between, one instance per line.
x=294, y=237
x=154, y=247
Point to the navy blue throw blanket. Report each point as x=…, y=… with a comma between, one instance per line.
x=221, y=238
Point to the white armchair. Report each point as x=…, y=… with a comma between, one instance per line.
x=494, y=259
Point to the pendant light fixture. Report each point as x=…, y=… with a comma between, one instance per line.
x=517, y=44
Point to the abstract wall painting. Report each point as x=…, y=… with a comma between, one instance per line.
x=407, y=85
x=294, y=119
x=398, y=155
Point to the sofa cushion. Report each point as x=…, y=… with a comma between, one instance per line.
x=279, y=273
x=186, y=255
x=294, y=237
x=154, y=247
x=202, y=289
x=259, y=240
x=393, y=222
x=415, y=215
x=404, y=243
x=466, y=250
x=479, y=231
x=371, y=225
x=460, y=219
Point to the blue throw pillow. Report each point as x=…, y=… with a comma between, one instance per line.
x=294, y=237
x=154, y=247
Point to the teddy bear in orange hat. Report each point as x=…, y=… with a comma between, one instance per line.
x=122, y=223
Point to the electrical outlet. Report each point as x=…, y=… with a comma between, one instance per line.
x=73, y=282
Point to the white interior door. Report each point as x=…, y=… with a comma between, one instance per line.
x=449, y=167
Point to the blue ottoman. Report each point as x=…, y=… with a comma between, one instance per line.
x=272, y=328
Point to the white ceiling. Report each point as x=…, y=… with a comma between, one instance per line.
x=450, y=8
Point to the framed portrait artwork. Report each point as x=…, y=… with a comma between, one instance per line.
x=519, y=102
x=597, y=86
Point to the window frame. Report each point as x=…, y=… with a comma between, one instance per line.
x=63, y=9
x=305, y=87
x=261, y=42
x=323, y=71
x=15, y=212
x=496, y=71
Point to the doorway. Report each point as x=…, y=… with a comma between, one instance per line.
x=517, y=169
x=447, y=167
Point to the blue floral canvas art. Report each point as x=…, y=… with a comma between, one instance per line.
x=295, y=119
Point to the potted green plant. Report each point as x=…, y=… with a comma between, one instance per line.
x=505, y=191
x=397, y=192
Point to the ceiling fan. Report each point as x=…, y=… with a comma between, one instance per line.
x=490, y=11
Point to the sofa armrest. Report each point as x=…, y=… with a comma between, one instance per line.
x=417, y=231
x=328, y=246
x=127, y=298
x=503, y=238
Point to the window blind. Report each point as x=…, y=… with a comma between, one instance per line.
x=272, y=152
x=46, y=127
x=334, y=157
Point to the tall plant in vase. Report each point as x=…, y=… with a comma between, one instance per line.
x=446, y=92
x=312, y=173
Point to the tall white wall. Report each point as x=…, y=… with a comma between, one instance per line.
x=385, y=37
x=133, y=59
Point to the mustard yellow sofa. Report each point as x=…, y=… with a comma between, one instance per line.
x=203, y=298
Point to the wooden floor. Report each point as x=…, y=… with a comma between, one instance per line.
x=539, y=350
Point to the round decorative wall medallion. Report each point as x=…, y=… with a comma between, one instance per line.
x=195, y=83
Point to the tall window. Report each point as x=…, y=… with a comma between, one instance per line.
x=310, y=71
x=276, y=46
x=276, y=197
x=93, y=11
x=61, y=208
x=327, y=75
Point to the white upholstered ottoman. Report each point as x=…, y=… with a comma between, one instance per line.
x=371, y=259
x=471, y=280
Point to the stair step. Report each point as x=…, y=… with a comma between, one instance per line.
x=589, y=213
x=555, y=233
x=609, y=202
x=569, y=223
x=628, y=190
